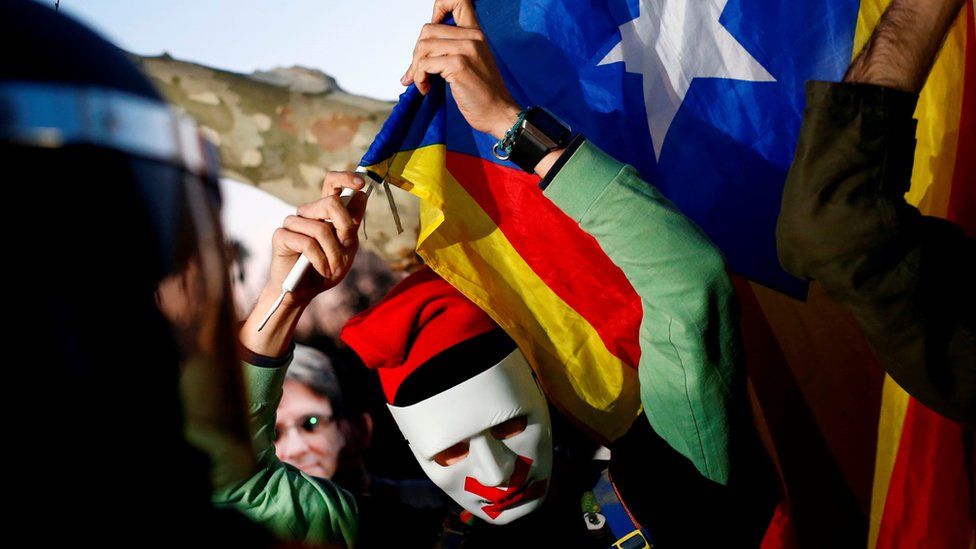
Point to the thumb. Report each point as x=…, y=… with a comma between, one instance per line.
x=357, y=206
x=462, y=10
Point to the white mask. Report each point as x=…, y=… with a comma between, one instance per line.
x=505, y=472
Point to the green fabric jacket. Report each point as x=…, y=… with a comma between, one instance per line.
x=690, y=367
x=288, y=502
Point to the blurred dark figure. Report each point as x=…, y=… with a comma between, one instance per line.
x=908, y=279
x=127, y=299
x=324, y=428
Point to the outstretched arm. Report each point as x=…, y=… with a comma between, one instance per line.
x=844, y=221
x=903, y=46
x=288, y=502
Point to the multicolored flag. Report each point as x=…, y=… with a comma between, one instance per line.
x=924, y=485
x=709, y=110
x=705, y=99
x=487, y=229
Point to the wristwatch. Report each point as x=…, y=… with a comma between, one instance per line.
x=539, y=133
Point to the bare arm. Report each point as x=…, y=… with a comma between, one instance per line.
x=903, y=46
x=845, y=223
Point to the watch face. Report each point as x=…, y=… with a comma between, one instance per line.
x=552, y=127
x=541, y=132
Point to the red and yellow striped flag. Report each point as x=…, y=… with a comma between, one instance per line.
x=923, y=484
x=815, y=384
x=487, y=229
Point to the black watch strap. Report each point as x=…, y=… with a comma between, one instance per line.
x=541, y=132
x=578, y=140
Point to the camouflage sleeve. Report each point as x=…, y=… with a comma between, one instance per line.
x=293, y=505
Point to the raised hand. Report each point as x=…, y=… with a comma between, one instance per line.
x=326, y=232
x=460, y=55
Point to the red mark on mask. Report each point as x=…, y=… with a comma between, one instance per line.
x=502, y=499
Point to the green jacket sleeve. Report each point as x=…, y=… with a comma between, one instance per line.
x=291, y=504
x=688, y=337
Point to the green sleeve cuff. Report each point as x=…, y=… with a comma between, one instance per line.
x=582, y=179
x=264, y=384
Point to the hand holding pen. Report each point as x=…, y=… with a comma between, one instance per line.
x=323, y=233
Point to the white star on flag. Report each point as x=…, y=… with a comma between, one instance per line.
x=671, y=43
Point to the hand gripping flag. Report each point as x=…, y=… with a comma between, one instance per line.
x=706, y=143
x=487, y=229
x=704, y=98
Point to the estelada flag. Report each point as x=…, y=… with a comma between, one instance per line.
x=489, y=231
x=705, y=99
x=924, y=488
x=708, y=110
x=486, y=228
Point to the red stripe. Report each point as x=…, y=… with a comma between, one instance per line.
x=781, y=534
x=931, y=486
x=567, y=259
x=962, y=200
x=929, y=494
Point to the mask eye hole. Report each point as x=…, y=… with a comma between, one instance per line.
x=510, y=428
x=452, y=455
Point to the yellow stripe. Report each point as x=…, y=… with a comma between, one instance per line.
x=938, y=112
x=894, y=404
x=867, y=18
x=574, y=366
x=939, y=108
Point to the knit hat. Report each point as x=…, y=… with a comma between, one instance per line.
x=425, y=337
